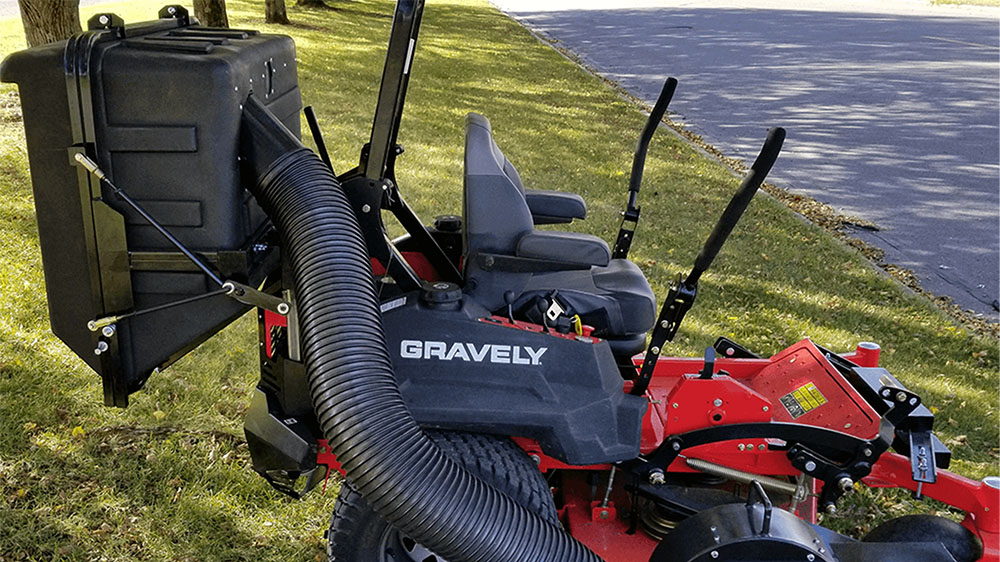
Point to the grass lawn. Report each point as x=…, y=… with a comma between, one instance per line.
x=169, y=478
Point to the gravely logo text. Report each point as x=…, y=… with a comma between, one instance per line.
x=462, y=351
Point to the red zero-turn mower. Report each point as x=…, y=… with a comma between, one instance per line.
x=486, y=388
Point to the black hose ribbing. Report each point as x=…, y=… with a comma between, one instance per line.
x=400, y=471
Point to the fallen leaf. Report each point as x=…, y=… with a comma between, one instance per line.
x=78, y=432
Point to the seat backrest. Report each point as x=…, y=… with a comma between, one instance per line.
x=496, y=213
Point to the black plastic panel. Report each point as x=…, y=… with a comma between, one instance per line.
x=158, y=105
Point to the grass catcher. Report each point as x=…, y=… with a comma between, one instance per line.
x=491, y=391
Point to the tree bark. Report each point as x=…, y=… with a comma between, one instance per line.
x=46, y=21
x=211, y=13
x=274, y=11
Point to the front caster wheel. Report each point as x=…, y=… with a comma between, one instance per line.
x=358, y=534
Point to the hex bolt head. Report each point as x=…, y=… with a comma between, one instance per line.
x=845, y=484
x=810, y=466
x=104, y=20
x=717, y=402
x=108, y=331
x=656, y=477
x=900, y=396
x=675, y=446
x=366, y=208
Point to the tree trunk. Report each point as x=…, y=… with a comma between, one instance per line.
x=274, y=11
x=211, y=13
x=46, y=21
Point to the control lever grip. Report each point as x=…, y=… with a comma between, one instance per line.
x=738, y=204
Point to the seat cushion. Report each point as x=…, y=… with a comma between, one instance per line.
x=564, y=246
x=615, y=299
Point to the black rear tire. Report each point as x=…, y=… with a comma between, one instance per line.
x=358, y=534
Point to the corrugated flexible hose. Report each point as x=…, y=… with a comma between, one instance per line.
x=400, y=471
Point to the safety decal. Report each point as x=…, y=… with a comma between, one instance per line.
x=802, y=400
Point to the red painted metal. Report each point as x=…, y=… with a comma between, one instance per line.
x=608, y=538
x=272, y=319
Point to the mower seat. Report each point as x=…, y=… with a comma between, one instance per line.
x=505, y=254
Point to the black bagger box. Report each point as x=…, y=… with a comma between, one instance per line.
x=158, y=106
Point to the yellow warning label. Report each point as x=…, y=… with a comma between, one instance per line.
x=803, y=400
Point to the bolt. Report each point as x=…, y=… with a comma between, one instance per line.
x=536, y=459
x=886, y=393
x=675, y=446
x=717, y=402
x=810, y=466
x=171, y=10
x=654, y=350
x=765, y=408
x=715, y=554
x=900, y=396
x=365, y=208
x=283, y=309
x=603, y=514
x=675, y=405
x=741, y=446
x=868, y=452
x=104, y=20
x=761, y=446
x=831, y=509
x=913, y=401
x=810, y=557
x=845, y=484
x=108, y=331
x=102, y=346
x=664, y=324
x=656, y=477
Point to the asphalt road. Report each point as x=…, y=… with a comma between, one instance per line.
x=891, y=108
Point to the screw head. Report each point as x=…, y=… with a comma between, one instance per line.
x=714, y=554
x=675, y=446
x=171, y=10
x=654, y=350
x=108, y=331
x=810, y=557
x=741, y=447
x=765, y=408
x=675, y=405
x=366, y=208
x=900, y=396
x=717, y=402
x=810, y=466
x=536, y=459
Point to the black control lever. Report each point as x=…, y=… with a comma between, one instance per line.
x=630, y=219
x=682, y=294
x=238, y=291
x=317, y=136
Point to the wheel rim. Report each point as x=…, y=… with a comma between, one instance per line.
x=397, y=547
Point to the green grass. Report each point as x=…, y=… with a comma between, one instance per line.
x=169, y=478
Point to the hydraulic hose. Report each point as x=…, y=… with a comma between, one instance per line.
x=400, y=471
